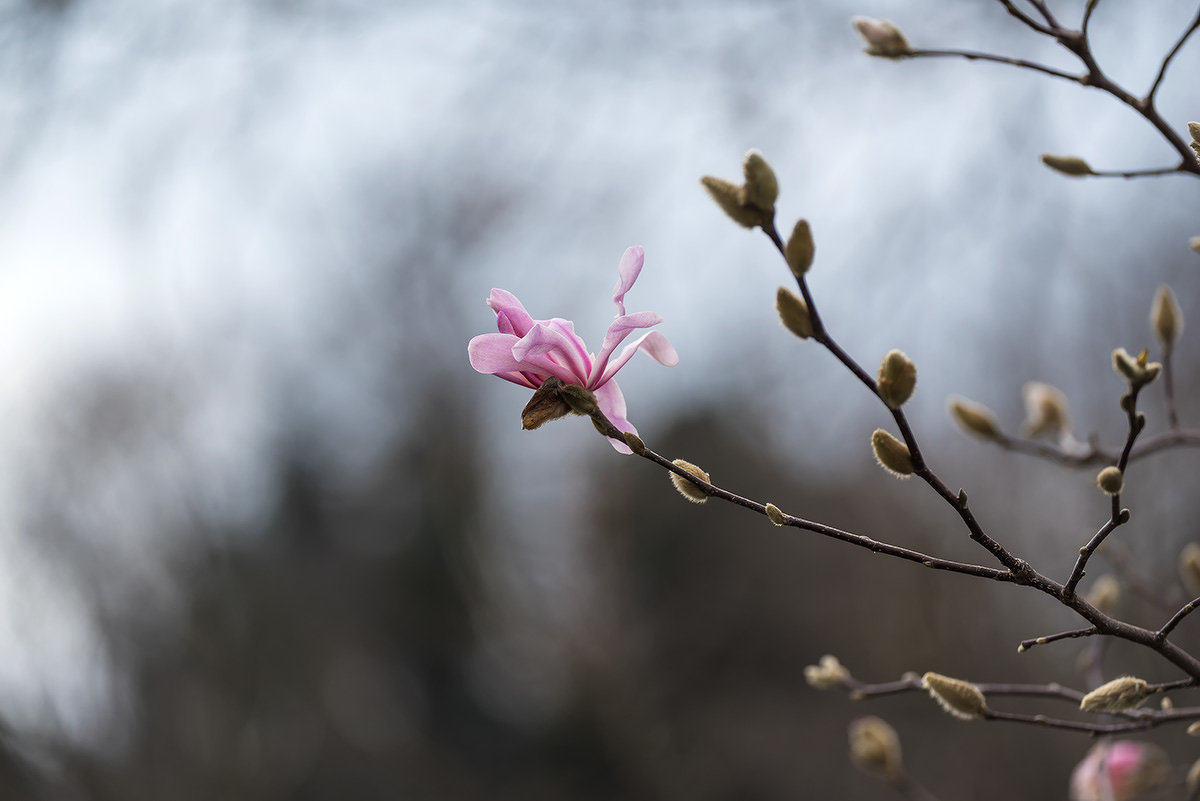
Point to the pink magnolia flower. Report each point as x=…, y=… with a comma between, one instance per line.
x=528, y=351
x=1118, y=771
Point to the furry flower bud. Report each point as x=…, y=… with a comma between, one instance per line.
x=974, y=418
x=960, y=698
x=1165, y=317
x=1067, y=165
x=897, y=379
x=1194, y=130
x=687, y=489
x=828, y=674
x=800, y=248
x=1117, y=695
x=892, y=454
x=761, y=188
x=1194, y=243
x=1189, y=567
x=793, y=312
x=875, y=747
x=1110, y=480
x=1136, y=370
x=1045, y=409
x=1105, y=593
x=883, y=38
x=731, y=198
x=775, y=515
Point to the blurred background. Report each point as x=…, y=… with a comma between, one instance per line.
x=265, y=534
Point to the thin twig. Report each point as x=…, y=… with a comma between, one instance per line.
x=1095, y=456
x=1169, y=388
x=1166, y=62
x=1178, y=616
x=1087, y=16
x=973, y=55
x=1178, y=169
x=1025, y=18
x=1062, y=635
x=1040, y=5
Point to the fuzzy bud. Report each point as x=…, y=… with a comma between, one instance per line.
x=686, y=488
x=1165, y=317
x=1045, y=409
x=883, y=38
x=793, y=312
x=800, y=248
x=875, y=747
x=897, y=379
x=731, y=198
x=761, y=187
x=1189, y=567
x=635, y=443
x=1194, y=243
x=1067, y=165
x=1194, y=130
x=1110, y=480
x=828, y=674
x=775, y=514
x=974, y=418
x=891, y=453
x=1105, y=593
x=960, y=698
x=1136, y=370
x=1117, y=695
x=1193, y=779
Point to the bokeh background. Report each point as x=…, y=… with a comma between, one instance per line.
x=265, y=534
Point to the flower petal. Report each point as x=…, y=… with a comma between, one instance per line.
x=511, y=317
x=653, y=342
x=552, y=347
x=627, y=273
x=493, y=354
x=620, y=328
x=612, y=403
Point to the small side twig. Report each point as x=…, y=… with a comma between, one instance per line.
x=1177, y=617
x=1062, y=635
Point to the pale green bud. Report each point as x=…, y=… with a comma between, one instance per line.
x=892, y=454
x=793, y=312
x=975, y=418
x=897, y=379
x=1067, y=165
x=800, y=248
x=1045, y=409
x=731, y=198
x=1165, y=316
x=1110, y=480
x=761, y=187
x=775, y=514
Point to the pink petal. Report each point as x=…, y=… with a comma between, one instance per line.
x=653, y=342
x=621, y=327
x=492, y=353
x=511, y=317
x=612, y=403
x=627, y=273
x=553, y=347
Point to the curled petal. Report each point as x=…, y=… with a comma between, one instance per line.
x=627, y=273
x=511, y=317
x=492, y=353
x=560, y=353
x=620, y=328
x=612, y=403
x=653, y=342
